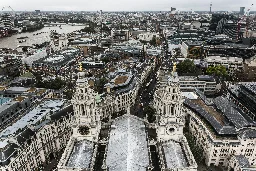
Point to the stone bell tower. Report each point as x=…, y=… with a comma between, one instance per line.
x=86, y=109
x=168, y=103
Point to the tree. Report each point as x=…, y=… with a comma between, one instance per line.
x=90, y=29
x=25, y=49
x=218, y=70
x=99, y=87
x=68, y=94
x=196, y=150
x=153, y=41
x=105, y=60
x=151, y=113
x=187, y=67
x=106, y=28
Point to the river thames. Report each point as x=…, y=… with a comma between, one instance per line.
x=13, y=42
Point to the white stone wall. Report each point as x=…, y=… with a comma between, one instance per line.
x=84, y=104
x=184, y=49
x=207, y=87
x=170, y=118
x=217, y=150
x=127, y=99
x=49, y=139
x=147, y=36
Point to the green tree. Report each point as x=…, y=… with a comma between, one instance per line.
x=99, y=87
x=153, y=41
x=196, y=150
x=105, y=60
x=187, y=67
x=151, y=113
x=90, y=29
x=218, y=70
x=106, y=28
x=68, y=94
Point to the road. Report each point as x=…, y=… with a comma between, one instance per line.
x=145, y=95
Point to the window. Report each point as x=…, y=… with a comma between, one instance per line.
x=172, y=110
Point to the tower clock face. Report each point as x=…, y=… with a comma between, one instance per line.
x=84, y=130
x=171, y=129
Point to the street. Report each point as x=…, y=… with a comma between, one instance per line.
x=145, y=95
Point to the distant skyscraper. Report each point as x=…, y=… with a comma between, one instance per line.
x=37, y=11
x=242, y=10
x=211, y=8
x=173, y=9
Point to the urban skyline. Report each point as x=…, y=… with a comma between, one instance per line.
x=124, y=5
x=131, y=90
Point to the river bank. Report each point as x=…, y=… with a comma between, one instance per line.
x=36, y=38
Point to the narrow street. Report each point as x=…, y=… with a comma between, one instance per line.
x=145, y=95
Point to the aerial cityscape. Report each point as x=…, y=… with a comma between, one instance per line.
x=128, y=86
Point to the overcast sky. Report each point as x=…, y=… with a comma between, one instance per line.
x=125, y=5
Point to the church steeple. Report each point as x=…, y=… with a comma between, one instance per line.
x=168, y=103
x=85, y=102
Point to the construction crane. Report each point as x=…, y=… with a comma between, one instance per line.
x=244, y=19
x=9, y=7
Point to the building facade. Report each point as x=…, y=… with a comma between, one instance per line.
x=38, y=138
x=221, y=129
x=168, y=103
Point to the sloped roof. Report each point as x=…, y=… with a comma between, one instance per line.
x=127, y=148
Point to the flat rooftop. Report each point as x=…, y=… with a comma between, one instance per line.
x=127, y=148
x=81, y=155
x=17, y=89
x=121, y=79
x=174, y=155
x=33, y=116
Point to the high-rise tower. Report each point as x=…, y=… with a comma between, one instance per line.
x=210, y=7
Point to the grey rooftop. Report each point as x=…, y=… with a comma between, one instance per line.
x=81, y=155
x=32, y=117
x=174, y=155
x=127, y=148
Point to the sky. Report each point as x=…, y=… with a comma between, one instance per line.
x=126, y=5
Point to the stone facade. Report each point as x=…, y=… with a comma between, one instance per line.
x=44, y=146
